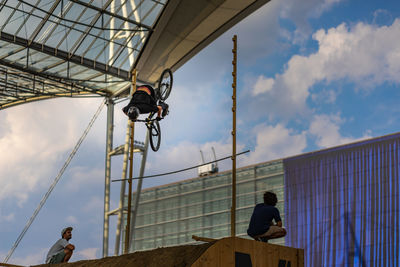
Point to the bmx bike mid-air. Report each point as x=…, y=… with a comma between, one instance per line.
x=162, y=92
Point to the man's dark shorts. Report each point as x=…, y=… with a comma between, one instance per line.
x=58, y=258
x=144, y=102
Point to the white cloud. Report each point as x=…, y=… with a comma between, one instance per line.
x=258, y=34
x=88, y=253
x=38, y=139
x=84, y=176
x=300, y=13
x=263, y=85
x=363, y=54
x=71, y=219
x=326, y=129
x=7, y=218
x=274, y=142
x=382, y=17
x=95, y=203
x=325, y=96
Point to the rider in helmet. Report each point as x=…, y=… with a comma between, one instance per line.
x=144, y=101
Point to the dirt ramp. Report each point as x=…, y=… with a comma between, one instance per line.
x=225, y=252
x=179, y=256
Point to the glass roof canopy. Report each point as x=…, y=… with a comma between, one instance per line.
x=55, y=48
x=51, y=48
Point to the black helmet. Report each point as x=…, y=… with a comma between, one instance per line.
x=133, y=113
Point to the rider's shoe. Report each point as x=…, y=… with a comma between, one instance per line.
x=262, y=239
x=165, y=109
x=133, y=113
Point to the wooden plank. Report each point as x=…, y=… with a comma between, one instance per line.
x=204, y=239
x=227, y=254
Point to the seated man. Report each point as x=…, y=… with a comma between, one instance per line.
x=143, y=101
x=61, y=251
x=261, y=227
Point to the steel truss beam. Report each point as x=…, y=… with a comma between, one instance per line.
x=17, y=86
x=91, y=64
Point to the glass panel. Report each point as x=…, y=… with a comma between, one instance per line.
x=217, y=193
x=138, y=244
x=170, y=240
x=270, y=183
x=245, y=200
x=241, y=228
x=244, y=188
x=158, y=242
x=183, y=225
x=212, y=181
x=243, y=215
x=139, y=220
x=195, y=210
x=172, y=214
x=245, y=175
x=183, y=238
x=171, y=227
x=195, y=223
x=193, y=198
x=147, y=195
x=269, y=169
x=221, y=231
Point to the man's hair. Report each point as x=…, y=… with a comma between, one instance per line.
x=270, y=198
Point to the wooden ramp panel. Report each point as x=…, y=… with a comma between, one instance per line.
x=223, y=252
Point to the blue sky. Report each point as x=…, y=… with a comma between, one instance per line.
x=309, y=77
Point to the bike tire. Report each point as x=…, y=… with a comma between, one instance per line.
x=165, y=84
x=155, y=136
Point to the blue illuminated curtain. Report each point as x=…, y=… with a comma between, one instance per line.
x=342, y=204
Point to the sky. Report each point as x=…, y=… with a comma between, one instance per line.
x=310, y=76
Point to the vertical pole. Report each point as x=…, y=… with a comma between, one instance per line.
x=121, y=205
x=108, y=167
x=233, y=209
x=128, y=221
x=109, y=144
x=139, y=187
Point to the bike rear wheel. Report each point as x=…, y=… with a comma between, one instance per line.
x=155, y=135
x=165, y=84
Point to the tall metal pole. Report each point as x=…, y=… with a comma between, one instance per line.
x=139, y=188
x=233, y=208
x=108, y=156
x=123, y=190
x=109, y=144
x=128, y=221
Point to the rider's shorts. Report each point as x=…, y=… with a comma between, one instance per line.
x=146, y=108
x=144, y=102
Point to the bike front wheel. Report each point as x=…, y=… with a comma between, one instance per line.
x=155, y=135
x=165, y=84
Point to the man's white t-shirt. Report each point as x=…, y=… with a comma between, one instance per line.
x=56, y=248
